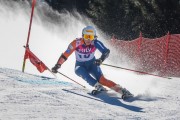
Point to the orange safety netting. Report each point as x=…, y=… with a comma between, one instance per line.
x=161, y=55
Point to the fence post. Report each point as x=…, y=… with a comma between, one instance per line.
x=139, y=56
x=167, y=48
x=166, y=54
x=139, y=44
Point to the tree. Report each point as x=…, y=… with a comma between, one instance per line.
x=126, y=18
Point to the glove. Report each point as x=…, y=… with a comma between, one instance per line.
x=98, y=62
x=55, y=68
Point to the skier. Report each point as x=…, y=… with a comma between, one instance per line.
x=86, y=64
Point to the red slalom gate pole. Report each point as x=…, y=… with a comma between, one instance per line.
x=136, y=71
x=30, y=24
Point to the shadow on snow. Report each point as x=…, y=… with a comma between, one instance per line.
x=109, y=100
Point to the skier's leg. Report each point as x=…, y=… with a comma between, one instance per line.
x=110, y=84
x=96, y=72
x=82, y=72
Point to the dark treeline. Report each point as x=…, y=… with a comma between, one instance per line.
x=126, y=18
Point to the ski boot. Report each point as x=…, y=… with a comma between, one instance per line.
x=126, y=94
x=98, y=88
x=123, y=91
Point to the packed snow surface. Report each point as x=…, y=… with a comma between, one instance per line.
x=41, y=96
x=27, y=96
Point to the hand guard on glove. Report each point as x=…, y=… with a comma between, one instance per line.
x=55, y=68
x=98, y=62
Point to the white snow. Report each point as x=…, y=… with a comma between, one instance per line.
x=26, y=96
x=31, y=95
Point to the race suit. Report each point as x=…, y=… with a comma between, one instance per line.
x=85, y=58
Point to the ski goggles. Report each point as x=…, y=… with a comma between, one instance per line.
x=88, y=37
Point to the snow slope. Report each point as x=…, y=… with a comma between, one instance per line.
x=31, y=95
x=27, y=96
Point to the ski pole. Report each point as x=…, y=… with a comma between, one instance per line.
x=136, y=71
x=71, y=79
x=51, y=72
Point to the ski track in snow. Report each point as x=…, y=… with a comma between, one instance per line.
x=26, y=96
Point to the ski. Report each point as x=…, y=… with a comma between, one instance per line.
x=124, y=97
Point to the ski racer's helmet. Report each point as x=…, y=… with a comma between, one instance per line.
x=89, y=33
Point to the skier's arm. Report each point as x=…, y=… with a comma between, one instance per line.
x=64, y=56
x=105, y=55
x=105, y=52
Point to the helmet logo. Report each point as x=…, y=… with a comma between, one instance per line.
x=89, y=31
